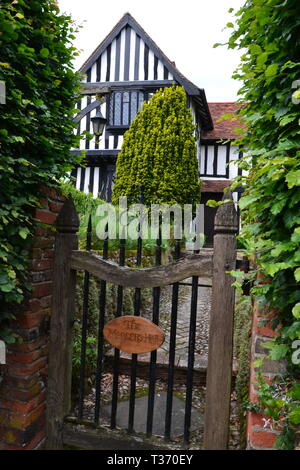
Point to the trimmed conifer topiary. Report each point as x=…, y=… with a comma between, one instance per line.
x=159, y=152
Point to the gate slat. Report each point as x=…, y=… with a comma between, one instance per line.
x=153, y=356
x=191, y=357
x=100, y=349
x=172, y=351
x=85, y=312
x=137, y=308
x=114, y=402
x=199, y=264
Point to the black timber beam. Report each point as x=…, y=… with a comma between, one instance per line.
x=106, y=87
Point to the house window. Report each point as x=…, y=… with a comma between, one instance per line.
x=124, y=106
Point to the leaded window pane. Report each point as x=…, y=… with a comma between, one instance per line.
x=111, y=110
x=125, y=114
x=133, y=110
x=124, y=106
x=141, y=100
x=126, y=97
x=117, y=113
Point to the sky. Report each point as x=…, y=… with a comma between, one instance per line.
x=184, y=30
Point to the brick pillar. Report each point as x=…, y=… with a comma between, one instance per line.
x=23, y=379
x=259, y=435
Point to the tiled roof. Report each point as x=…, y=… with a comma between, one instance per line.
x=224, y=129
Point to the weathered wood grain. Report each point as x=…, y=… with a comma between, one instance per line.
x=189, y=265
x=91, y=89
x=134, y=335
x=60, y=346
x=86, y=110
x=219, y=372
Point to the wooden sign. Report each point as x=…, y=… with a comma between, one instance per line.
x=133, y=334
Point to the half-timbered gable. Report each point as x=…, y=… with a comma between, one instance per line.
x=126, y=69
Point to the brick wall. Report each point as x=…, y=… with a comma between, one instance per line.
x=23, y=379
x=259, y=434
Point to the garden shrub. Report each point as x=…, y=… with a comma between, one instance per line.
x=159, y=153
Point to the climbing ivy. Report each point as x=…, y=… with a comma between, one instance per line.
x=159, y=152
x=268, y=33
x=36, y=129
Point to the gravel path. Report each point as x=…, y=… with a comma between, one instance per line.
x=183, y=320
x=183, y=324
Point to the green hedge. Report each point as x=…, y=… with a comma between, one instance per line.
x=267, y=31
x=36, y=128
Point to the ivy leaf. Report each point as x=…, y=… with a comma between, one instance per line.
x=44, y=52
x=293, y=179
x=294, y=416
x=278, y=206
x=271, y=70
x=23, y=232
x=7, y=287
x=246, y=201
x=255, y=49
x=294, y=392
x=278, y=351
x=296, y=235
x=297, y=274
x=261, y=59
x=212, y=203
x=273, y=268
x=287, y=119
x=296, y=311
x=296, y=94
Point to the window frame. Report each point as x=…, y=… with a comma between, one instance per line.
x=120, y=129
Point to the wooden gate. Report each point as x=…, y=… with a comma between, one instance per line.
x=206, y=263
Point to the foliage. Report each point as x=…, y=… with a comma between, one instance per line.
x=268, y=32
x=279, y=402
x=36, y=128
x=159, y=152
x=91, y=346
x=86, y=205
x=241, y=352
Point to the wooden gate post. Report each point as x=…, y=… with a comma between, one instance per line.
x=219, y=372
x=60, y=346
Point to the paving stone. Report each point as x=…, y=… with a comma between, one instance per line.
x=140, y=419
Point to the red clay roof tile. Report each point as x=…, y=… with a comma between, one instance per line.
x=224, y=129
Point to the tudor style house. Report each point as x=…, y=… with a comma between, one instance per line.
x=125, y=70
